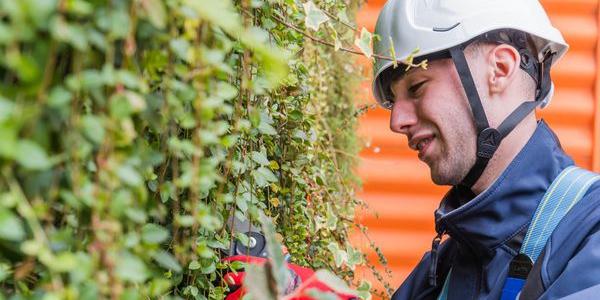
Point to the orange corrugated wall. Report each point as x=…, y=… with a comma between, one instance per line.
x=397, y=186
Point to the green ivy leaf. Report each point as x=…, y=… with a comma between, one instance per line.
x=167, y=261
x=208, y=267
x=340, y=256
x=337, y=43
x=23, y=65
x=130, y=175
x=120, y=23
x=263, y=176
x=7, y=108
x=220, y=13
x=334, y=282
x=279, y=268
x=155, y=10
x=267, y=129
x=8, y=136
x=331, y=218
x=364, y=42
x=181, y=48
x=135, y=111
x=31, y=156
x=343, y=16
x=63, y=262
x=59, y=97
x=131, y=268
x=226, y=90
x=194, y=265
x=185, y=220
x=69, y=33
x=5, y=271
x=265, y=126
x=314, y=16
x=79, y=7
x=243, y=239
x=364, y=290
x=260, y=158
x=258, y=284
x=242, y=203
x=154, y=234
x=355, y=257
x=136, y=101
x=393, y=53
x=11, y=227
x=93, y=128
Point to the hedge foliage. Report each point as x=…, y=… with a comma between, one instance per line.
x=131, y=130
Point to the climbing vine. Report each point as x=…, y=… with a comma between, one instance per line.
x=131, y=131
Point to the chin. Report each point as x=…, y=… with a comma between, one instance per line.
x=439, y=177
x=438, y=180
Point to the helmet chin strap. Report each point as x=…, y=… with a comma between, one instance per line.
x=489, y=139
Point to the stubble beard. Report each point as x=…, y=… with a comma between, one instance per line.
x=454, y=163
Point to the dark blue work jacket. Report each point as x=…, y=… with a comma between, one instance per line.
x=486, y=232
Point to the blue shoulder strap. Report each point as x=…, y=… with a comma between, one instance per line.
x=444, y=294
x=564, y=192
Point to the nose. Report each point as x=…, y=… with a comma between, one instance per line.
x=403, y=116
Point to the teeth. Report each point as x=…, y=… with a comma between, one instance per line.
x=422, y=144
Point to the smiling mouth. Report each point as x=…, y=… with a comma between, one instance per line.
x=423, y=145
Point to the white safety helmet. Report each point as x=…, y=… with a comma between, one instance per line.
x=444, y=28
x=436, y=25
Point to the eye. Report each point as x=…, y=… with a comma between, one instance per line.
x=414, y=89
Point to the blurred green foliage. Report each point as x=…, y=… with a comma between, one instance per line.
x=130, y=130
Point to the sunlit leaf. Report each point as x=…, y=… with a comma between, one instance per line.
x=393, y=53
x=278, y=265
x=154, y=234
x=131, y=268
x=364, y=42
x=314, y=16
x=93, y=128
x=11, y=227
x=129, y=175
x=167, y=261
x=31, y=156
x=155, y=10
x=260, y=158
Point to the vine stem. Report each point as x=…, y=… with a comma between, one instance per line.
x=27, y=212
x=48, y=71
x=381, y=259
x=327, y=43
x=407, y=62
x=320, y=41
x=330, y=15
x=51, y=61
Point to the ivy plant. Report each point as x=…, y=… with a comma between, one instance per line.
x=132, y=130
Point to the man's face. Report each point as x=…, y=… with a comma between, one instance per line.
x=432, y=110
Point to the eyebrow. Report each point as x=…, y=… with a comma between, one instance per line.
x=403, y=75
x=400, y=77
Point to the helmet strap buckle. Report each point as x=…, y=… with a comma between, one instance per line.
x=488, y=142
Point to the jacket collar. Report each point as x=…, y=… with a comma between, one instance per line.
x=504, y=209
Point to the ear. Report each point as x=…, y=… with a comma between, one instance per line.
x=504, y=63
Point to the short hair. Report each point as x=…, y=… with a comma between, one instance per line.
x=477, y=47
x=527, y=84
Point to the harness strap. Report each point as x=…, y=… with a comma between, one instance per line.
x=564, y=192
x=444, y=294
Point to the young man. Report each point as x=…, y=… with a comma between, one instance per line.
x=470, y=116
x=522, y=221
